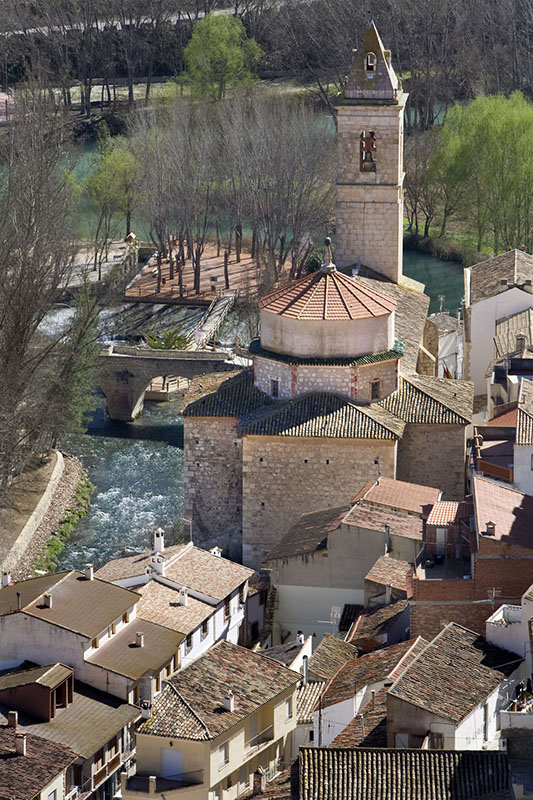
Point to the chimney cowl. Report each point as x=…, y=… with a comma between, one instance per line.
x=139, y=639
x=20, y=744
x=184, y=596
x=490, y=528
x=229, y=701
x=89, y=572
x=159, y=540
x=146, y=709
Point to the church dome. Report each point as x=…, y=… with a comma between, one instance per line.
x=327, y=314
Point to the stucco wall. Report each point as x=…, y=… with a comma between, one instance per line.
x=523, y=472
x=285, y=476
x=434, y=455
x=213, y=483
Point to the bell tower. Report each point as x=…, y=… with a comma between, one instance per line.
x=370, y=163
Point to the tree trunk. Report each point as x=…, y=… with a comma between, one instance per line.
x=159, y=259
x=170, y=260
x=226, y=271
x=218, y=238
x=238, y=241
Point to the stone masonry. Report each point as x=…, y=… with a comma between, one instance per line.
x=434, y=455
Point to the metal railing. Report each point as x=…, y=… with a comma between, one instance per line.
x=141, y=783
x=261, y=738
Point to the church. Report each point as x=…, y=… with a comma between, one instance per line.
x=343, y=387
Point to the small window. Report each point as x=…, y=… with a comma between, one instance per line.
x=126, y=618
x=375, y=390
x=227, y=609
x=229, y=783
x=368, y=151
x=437, y=741
x=254, y=631
x=188, y=643
x=223, y=754
x=311, y=736
x=401, y=740
x=274, y=387
x=263, y=597
x=52, y=795
x=175, y=663
x=205, y=628
x=114, y=628
x=99, y=757
x=288, y=707
x=168, y=670
x=371, y=62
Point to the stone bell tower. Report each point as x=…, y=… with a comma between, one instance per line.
x=370, y=163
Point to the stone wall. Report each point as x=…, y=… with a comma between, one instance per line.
x=434, y=455
x=213, y=483
x=283, y=477
x=353, y=382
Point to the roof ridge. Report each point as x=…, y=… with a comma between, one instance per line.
x=399, y=663
x=56, y=583
x=370, y=294
x=424, y=390
x=186, y=704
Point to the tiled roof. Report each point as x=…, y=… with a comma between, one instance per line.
x=330, y=655
x=327, y=295
x=374, y=622
x=510, y=510
x=325, y=414
x=505, y=420
x=307, y=698
x=85, y=725
x=207, y=573
x=431, y=401
x=49, y=676
x=349, y=361
x=284, y=653
x=365, y=515
x=404, y=496
x=80, y=605
x=464, y=663
x=191, y=706
x=122, y=655
x=524, y=418
x=390, y=572
x=380, y=774
x=368, y=728
x=507, y=330
x=132, y=566
x=486, y=278
x=233, y=397
x=350, y=612
x=449, y=513
x=159, y=603
x=24, y=776
x=309, y=534
x=365, y=671
x=446, y=323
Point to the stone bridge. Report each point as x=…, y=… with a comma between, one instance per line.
x=125, y=373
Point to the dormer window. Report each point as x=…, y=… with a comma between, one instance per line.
x=371, y=62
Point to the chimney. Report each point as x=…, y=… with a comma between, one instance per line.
x=6, y=579
x=184, y=596
x=229, y=701
x=305, y=660
x=490, y=528
x=89, y=572
x=157, y=562
x=300, y=638
x=216, y=551
x=521, y=342
x=20, y=744
x=373, y=697
x=19, y=601
x=159, y=540
x=12, y=719
x=388, y=547
x=47, y=600
x=146, y=709
x=388, y=594
x=139, y=639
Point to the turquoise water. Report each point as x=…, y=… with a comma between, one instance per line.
x=443, y=280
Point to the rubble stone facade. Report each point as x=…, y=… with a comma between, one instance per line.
x=423, y=452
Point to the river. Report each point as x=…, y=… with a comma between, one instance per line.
x=137, y=467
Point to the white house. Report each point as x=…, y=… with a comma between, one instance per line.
x=192, y=591
x=450, y=330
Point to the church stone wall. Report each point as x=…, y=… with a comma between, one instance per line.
x=283, y=477
x=213, y=483
x=434, y=455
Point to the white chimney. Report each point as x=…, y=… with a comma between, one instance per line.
x=6, y=578
x=89, y=572
x=216, y=551
x=159, y=540
x=157, y=563
x=139, y=639
x=184, y=596
x=12, y=719
x=47, y=600
x=229, y=701
x=20, y=744
x=490, y=528
x=300, y=638
x=305, y=661
x=146, y=709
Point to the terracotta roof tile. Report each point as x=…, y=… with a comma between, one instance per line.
x=524, y=418
x=284, y=653
x=331, y=654
x=506, y=420
x=431, y=401
x=24, y=776
x=368, y=728
x=309, y=534
x=449, y=513
x=391, y=572
x=376, y=774
x=350, y=612
x=401, y=495
x=191, y=706
x=307, y=698
x=510, y=510
x=327, y=295
x=232, y=397
x=393, y=354
x=486, y=278
x=131, y=566
x=207, y=573
x=507, y=330
x=159, y=603
x=371, y=517
x=374, y=622
x=465, y=663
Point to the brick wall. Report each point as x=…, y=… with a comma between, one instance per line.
x=213, y=483
x=283, y=477
x=434, y=455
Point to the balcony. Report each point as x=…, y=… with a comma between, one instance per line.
x=152, y=785
x=106, y=770
x=266, y=735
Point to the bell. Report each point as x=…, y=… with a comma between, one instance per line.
x=369, y=158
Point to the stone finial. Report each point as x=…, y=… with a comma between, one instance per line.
x=328, y=265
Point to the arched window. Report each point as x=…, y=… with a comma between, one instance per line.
x=371, y=62
x=368, y=151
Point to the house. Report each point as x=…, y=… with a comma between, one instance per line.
x=342, y=388
x=380, y=626
x=495, y=289
x=450, y=695
x=374, y=773
x=92, y=626
x=196, y=593
x=223, y=718
x=356, y=683
x=322, y=561
x=513, y=344
x=43, y=703
x=255, y=612
x=292, y=654
x=497, y=530
x=330, y=655
x=31, y=767
x=388, y=580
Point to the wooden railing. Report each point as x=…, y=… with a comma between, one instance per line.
x=497, y=471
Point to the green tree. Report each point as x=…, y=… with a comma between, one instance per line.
x=170, y=339
x=220, y=53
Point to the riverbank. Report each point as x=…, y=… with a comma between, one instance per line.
x=62, y=499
